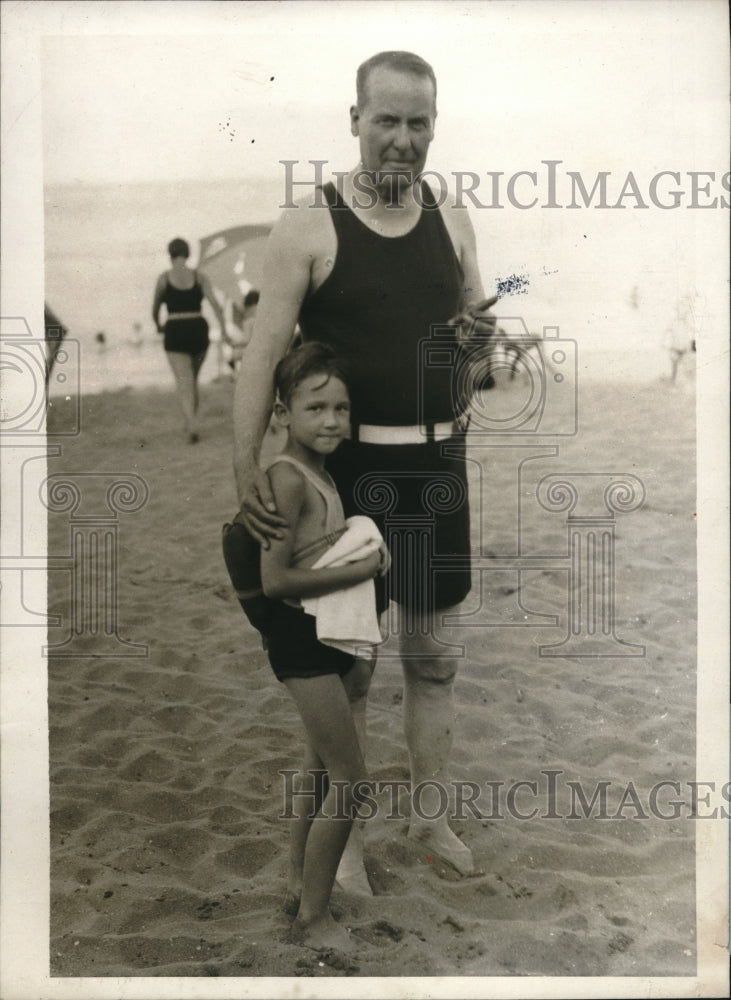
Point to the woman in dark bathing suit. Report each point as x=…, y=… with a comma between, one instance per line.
x=182, y=290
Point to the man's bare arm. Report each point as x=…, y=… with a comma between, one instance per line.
x=286, y=279
x=474, y=317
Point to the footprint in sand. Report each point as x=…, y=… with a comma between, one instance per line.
x=206, y=910
x=385, y=929
x=336, y=960
x=619, y=943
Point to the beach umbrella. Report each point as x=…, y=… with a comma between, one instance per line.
x=232, y=258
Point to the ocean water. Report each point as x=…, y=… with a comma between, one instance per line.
x=105, y=245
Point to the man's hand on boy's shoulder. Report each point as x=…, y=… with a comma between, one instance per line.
x=259, y=508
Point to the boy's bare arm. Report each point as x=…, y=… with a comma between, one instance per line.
x=279, y=578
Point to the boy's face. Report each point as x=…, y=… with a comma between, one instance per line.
x=318, y=415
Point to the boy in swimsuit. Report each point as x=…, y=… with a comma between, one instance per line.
x=313, y=403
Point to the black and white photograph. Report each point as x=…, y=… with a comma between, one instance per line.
x=364, y=433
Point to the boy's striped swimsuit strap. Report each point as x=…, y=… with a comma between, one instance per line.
x=319, y=546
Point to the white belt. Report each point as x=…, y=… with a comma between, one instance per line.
x=190, y=315
x=418, y=434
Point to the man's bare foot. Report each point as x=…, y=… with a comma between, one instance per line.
x=446, y=844
x=351, y=875
x=321, y=934
x=355, y=881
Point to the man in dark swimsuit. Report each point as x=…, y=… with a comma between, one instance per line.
x=371, y=277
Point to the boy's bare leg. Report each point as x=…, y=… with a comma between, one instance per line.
x=325, y=711
x=351, y=875
x=428, y=727
x=308, y=794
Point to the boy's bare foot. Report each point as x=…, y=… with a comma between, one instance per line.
x=321, y=934
x=446, y=844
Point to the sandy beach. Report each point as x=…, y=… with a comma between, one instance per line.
x=167, y=851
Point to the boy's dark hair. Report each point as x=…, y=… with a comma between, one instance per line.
x=312, y=358
x=178, y=248
x=251, y=298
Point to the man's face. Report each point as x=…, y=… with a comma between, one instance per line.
x=396, y=124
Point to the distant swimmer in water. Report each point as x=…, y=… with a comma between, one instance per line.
x=182, y=290
x=137, y=338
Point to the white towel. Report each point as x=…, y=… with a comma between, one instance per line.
x=347, y=619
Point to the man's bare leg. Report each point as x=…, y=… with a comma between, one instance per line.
x=351, y=875
x=429, y=727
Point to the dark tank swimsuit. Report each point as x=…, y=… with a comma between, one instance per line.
x=377, y=309
x=185, y=334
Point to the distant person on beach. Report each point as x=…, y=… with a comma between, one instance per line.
x=681, y=336
x=314, y=404
x=243, y=318
x=371, y=265
x=182, y=290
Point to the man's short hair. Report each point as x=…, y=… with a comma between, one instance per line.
x=312, y=358
x=178, y=248
x=251, y=298
x=402, y=62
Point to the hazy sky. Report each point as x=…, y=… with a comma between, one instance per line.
x=140, y=91
x=160, y=91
